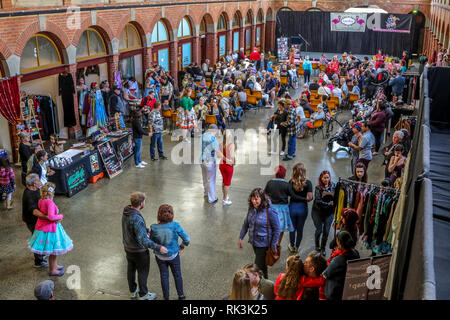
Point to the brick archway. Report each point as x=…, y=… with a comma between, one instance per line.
x=102, y=27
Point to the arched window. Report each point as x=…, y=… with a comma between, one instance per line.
x=203, y=27
x=259, y=17
x=236, y=21
x=91, y=45
x=160, y=33
x=184, y=30
x=249, y=18
x=221, y=25
x=130, y=38
x=40, y=52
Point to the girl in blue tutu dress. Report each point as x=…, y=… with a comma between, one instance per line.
x=49, y=237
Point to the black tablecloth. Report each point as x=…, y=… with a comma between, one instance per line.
x=73, y=178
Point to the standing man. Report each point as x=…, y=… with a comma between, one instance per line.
x=136, y=244
x=30, y=211
x=261, y=64
x=366, y=143
x=292, y=130
x=210, y=150
x=117, y=104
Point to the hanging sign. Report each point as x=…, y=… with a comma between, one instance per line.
x=283, y=49
x=400, y=23
x=348, y=22
x=366, y=278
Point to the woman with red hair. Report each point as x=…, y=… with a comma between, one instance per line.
x=322, y=211
x=278, y=191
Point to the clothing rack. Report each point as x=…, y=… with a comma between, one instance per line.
x=397, y=191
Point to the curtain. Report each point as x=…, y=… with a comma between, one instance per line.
x=315, y=28
x=10, y=100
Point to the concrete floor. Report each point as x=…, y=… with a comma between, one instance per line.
x=92, y=218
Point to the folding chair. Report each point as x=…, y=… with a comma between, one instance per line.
x=315, y=126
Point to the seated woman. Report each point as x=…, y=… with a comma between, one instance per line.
x=397, y=163
x=217, y=111
x=356, y=89
x=319, y=114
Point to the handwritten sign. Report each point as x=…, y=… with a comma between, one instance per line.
x=76, y=180
x=110, y=160
x=125, y=147
x=366, y=278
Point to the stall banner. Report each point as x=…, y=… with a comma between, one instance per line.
x=366, y=278
x=186, y=54
x=76, y=180
x=110, y=160
x=348, y=22
x=222, y=45
x=236, y=41
x=400, y=23
x=163, y=58
x=124, y=147
x=283, y=49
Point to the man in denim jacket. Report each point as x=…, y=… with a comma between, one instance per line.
x=136, y=243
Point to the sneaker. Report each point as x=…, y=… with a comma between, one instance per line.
x=148, y=296
x=140, y=165
x=182, y=298
x=43, y=264
x=163, y=157
x=287, y=158
x=291, y=249
x=154, y=159
x=213, y=201
x=134, y=295
x=282, y=153
x=144, y=163
x=227, y=202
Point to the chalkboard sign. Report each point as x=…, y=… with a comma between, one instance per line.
x=110, y=160
x=124, y=147
x=366, y=278
x=76, y=179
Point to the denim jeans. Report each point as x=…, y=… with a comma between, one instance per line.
x=137, y=150
x=306, y=75
x=140, y=262
x=175, y=267
x=302, y=125
x=239, y=112
x=122, y=121
x=298, y=212
x=156, y=139
x=292, y=143
x=323, y=225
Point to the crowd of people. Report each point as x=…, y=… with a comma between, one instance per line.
x=207, y=100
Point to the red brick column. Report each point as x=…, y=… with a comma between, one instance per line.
x=196, y=50
x=113, y=66
x=72, y=69
x=147, y=58
x=253, y=38
x=263, y=37
x=173, y=63
x=211, y=48
x=229, y=41
x=242, y=38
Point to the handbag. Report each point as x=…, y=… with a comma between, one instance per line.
x=271, y=258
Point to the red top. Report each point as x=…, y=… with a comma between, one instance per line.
x=149, y=103
x=318, y=282
x=255, y=56
x=277, y=284
x=225, y=152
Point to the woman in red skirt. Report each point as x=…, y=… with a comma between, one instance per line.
x=226, y=168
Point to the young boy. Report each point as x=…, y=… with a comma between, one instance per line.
x=156, y=127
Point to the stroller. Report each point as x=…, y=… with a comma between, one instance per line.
x=342, y=138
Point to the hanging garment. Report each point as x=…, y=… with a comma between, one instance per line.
x=66, y=91
x=47, y=117
x=100, y=113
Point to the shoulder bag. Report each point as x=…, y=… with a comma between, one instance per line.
x=271, y=257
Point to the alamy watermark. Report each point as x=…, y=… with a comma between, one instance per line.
x=253, y=147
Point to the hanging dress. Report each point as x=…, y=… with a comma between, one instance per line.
x=100, y=113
